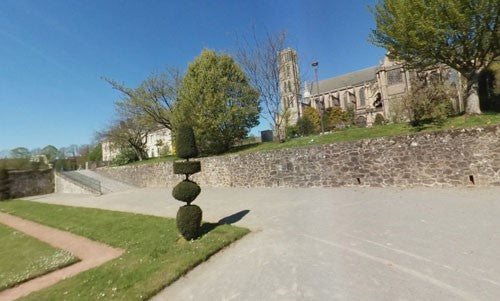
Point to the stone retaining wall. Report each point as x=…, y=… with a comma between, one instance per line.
x=31, y=182
x=448, y=158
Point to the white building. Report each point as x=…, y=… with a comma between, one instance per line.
x=158, y=143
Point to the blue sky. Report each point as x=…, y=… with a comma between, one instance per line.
x=54, y=52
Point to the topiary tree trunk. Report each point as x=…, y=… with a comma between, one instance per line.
x=4, y=185
x=189, y=216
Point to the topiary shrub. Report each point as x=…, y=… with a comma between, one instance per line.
x=186, y=191
x=189, y=216
x=4, y=185
x=189, y=221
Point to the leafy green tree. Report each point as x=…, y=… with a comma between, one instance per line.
x=20, y=153
x=51, y=152
x=462, y=34
x=95, y=154
x=153, y=99
x=217, y=101
x=313, y=115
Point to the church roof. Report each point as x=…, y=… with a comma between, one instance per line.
x=346, y=80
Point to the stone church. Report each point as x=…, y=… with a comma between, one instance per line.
x=367, y=92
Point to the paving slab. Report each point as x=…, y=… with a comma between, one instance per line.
x=336, y=244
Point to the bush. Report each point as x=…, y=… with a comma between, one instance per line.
x=427, y=102
x=186, y=191
x=189, y=216
x=186, y=143
x=188, y=167
x=335, y=118
x=4, y=184
x=379, y=119
x=305, y=126
x=126, y=156
x=314, y=117
x=189, y=221
x=292, y=131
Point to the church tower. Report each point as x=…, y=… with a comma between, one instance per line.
x=288, y=67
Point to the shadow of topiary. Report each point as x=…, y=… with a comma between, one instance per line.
x=228, y=220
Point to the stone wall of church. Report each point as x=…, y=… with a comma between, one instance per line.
x=461, y=157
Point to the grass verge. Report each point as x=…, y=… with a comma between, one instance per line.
x=23, y=257
x=154, y=255
x=388, y=130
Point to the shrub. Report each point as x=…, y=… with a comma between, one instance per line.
x=4, y=184
x=335, y=118
x=188, y=167
x=427, y=102
x=189, y=221
x=188, y=216
x=305, y=126
x=126, y=155
x=292, y=131
x=314, y=117
x=186, y=191
x=379, y=119
x=186, y=143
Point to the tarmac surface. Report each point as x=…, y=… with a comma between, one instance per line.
x=335, y=244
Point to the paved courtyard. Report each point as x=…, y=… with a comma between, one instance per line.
x=336, y=244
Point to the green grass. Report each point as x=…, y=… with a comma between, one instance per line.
x=155, y=160
x=154, y=254
x=352, y=134
x=23, y=257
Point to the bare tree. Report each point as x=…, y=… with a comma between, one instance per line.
x=153, y=99
x=128, y=133
x=259, y=59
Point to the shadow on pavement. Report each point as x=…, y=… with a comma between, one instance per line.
x=228, y=220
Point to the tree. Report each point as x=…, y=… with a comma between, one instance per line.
x=128, y=133
x=462, y=34
x=153, y=99
x=217, y=101
x=313, y=115
x=259, y=60
x=20, y=153
x=51, y=152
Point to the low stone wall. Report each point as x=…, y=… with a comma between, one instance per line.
x=447, y=158
x=31, y=182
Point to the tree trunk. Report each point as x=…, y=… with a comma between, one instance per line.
x=472, y=94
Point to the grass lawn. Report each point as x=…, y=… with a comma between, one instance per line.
x=23, y=257
x=354, y=133
x=154, y=254
x=351, y=134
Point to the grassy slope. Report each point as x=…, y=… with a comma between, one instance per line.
x=23, y=257
x=355, y=134
x=154, y=256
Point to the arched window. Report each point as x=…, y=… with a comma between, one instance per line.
x=289, y=87
x=362, y=97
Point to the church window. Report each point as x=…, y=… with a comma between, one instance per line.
x=346, y=100
x=289, y=87
x=287, y=71
x=362, y=97
x=394, y=77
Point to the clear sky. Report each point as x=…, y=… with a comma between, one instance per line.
x=54, y=52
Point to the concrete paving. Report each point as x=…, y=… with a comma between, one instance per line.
x=107, y=185
x=336, y=244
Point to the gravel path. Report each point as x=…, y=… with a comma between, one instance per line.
x=90, y=253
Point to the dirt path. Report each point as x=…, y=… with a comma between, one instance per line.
x=91, y=254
